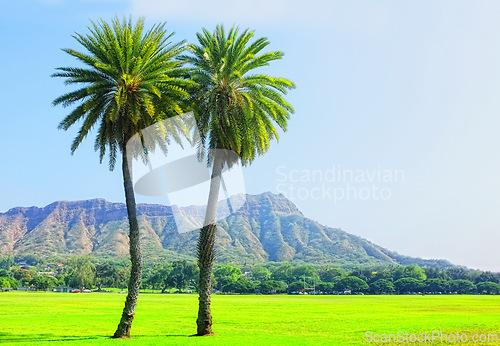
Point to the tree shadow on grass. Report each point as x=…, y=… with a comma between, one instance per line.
x=13, y=338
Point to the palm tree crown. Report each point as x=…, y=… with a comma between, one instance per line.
x=236, y=107
x=131, y=80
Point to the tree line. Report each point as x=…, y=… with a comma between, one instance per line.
x=183, y=276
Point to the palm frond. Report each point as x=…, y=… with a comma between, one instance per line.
x=132, y=79
x=235, y=109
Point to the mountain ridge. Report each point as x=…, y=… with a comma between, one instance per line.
x=268, y=227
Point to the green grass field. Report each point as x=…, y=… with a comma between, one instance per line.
x=89, y=319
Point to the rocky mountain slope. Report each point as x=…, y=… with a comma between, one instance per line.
x=267, y=228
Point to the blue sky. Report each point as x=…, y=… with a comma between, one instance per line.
x=381, y=87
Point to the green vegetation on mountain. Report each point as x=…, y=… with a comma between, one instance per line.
x=267, y=228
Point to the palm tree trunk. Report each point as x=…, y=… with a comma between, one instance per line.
x=206, y=252
x=123, y=330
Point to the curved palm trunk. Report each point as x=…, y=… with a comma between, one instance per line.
x=123, y=330
x=206, y=252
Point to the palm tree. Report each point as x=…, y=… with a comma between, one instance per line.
x=236, y=110
x=131, y=79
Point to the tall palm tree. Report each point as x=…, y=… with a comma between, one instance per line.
x=131, y=79
x=236, y=110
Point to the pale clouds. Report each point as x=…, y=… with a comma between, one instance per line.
x=255, y=11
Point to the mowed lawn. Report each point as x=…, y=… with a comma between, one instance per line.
x=89, y=319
